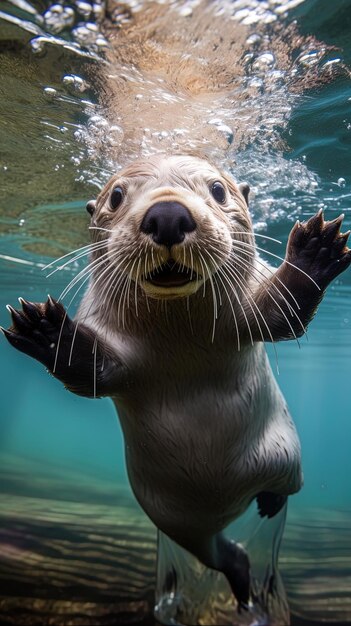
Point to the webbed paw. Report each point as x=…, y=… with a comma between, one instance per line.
x=318, y=248
x=37, y=329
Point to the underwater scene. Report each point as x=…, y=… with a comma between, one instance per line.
x=264, y=91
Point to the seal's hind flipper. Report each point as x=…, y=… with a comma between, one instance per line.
x=235, y=565
x=269, y=504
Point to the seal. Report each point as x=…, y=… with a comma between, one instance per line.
x=172, y=327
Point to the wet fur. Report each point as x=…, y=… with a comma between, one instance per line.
x=206, y=427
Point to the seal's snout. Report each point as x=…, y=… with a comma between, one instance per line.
x=167, y=223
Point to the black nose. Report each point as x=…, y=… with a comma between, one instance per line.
x=167, y=222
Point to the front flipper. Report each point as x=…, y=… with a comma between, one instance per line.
x=269, y=504
x=318, y=248
x=69, y=350
x=286, y=303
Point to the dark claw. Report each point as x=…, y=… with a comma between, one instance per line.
x=298, y=234
x=19, y=320
x=332, y=229
x=345, y=259
x=13, y=338
x=30, y=309
x=339, y=244
x=315, y=224
x=54, y=311
x=8, y=333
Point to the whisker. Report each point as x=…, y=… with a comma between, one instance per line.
x=86, y=270
x=191, y=261
x=215, y=266
x=252, y=303
x=272, y=271
x=122, y=299
x=245, y=290
x=72, y=343
x=106, y=230
x=251, y=269
x=277, y=304
x=214, y=297
x=292, y=311
x=95, y=346
x=75, y=258
x=101, y=277
x=136, y=287
x=276, y=256
x=223, y=270
x=203, y=277
x=106, y=287
x=130, y=281
x=92, y=266
x=231, y=306
x=89, y=245
x=240, y=232
x=59, y=341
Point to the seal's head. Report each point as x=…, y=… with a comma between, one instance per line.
x=167, y=224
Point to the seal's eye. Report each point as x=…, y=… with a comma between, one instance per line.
x=218, y=192
x=116, y=198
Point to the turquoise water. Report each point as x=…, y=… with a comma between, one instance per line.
x=47, y=176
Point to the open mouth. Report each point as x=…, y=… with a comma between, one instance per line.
x=172, y=274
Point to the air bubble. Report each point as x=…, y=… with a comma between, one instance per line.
x=38, y=46
x=121, y=16
x=186, y=11
x=227, y=132
x=115, y=136
x=101, y=42
x=255, y=85
x=50, y=93
x=264, y=62
x=86, y=34
x=97, y=121
x=84, y=9
x=74, y=83
x=58, y=17
x=75, y=160
x=330, y=64
x=309, y=58
x=98, y=12
x=253, y=40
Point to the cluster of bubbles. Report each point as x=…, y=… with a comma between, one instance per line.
x=74, y=26
x=276, y=181
x=98, y=136
x=251, y=12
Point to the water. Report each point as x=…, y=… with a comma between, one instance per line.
x=284, y=126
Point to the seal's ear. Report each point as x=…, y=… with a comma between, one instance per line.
x=245, y=190
x=91, y=206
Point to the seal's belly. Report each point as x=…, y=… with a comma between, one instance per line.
x=198, y=469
